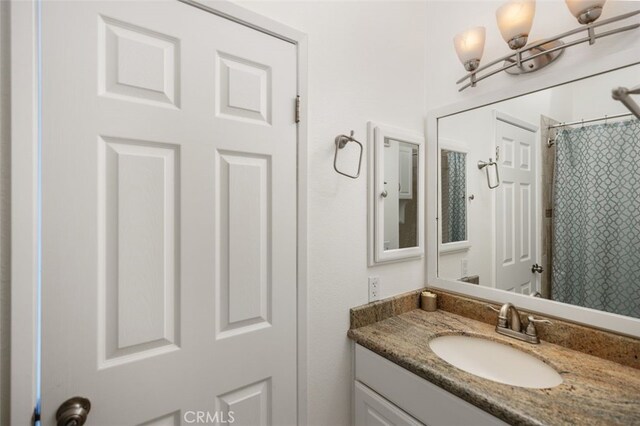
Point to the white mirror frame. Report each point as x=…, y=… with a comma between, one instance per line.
x=376, y=134
x=455, y=246
x=604, y=320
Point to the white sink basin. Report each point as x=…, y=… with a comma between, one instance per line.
x=495, y=361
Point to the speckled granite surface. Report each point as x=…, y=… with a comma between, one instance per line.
x=594, y=391
x=383, y=309
x=610, y=346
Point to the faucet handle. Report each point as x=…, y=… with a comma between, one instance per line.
x=502, y=320
x=493, y=308
x=532, y=319
x=531, y=327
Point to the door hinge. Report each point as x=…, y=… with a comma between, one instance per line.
x=297, y=117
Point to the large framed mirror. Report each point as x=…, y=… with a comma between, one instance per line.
x=396, y=208
x=554, y=222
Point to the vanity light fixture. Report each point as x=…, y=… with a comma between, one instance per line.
x=586, y=11
x=469, y=47
x=515, y=19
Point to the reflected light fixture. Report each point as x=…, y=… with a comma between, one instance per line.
x=515, y=19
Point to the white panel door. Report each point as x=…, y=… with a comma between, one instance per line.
x=516, y=207
x=169, y=216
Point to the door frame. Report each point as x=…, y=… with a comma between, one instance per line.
x=25, y=132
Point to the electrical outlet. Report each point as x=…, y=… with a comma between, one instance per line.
x=464, y=267
x=374, y=289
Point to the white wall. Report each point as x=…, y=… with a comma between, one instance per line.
x=586, y=91
x=366, y=62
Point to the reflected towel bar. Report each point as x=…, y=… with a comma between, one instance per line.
x=484, y=165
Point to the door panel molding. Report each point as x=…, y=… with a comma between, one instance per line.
x=24, y=149
x=514, y=219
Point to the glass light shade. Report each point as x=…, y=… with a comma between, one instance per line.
x=469, y=44
x=515, y=18
x=578, y=7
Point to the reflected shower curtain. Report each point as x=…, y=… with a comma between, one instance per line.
x=596, y=218
x=457, y=193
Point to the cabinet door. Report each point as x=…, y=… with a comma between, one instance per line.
x=373, y=410
x=406, y=391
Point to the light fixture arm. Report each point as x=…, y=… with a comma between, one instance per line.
x=516, y=59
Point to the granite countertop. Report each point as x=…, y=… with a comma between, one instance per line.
x=594, y=390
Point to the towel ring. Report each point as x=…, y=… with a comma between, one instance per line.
x=485, y=165
x=341, y=142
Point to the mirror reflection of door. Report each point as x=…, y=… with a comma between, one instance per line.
x=401, y=201
x=516, y=226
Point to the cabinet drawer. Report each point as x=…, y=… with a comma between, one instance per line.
x=416, y=396
x=374, y=410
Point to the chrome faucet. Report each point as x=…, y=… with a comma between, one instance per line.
x=509, y=317
x=510, y=325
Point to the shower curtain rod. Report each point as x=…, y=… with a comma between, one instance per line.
x=606, y=117
x=551, y=142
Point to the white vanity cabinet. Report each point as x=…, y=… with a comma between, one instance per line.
x=373, y=410
x=387, y=394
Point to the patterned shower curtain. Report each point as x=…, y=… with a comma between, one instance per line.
x=596, y=218
x=457, y=196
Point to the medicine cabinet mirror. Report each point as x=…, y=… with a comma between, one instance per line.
x=396, y=176
x=554, y=211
